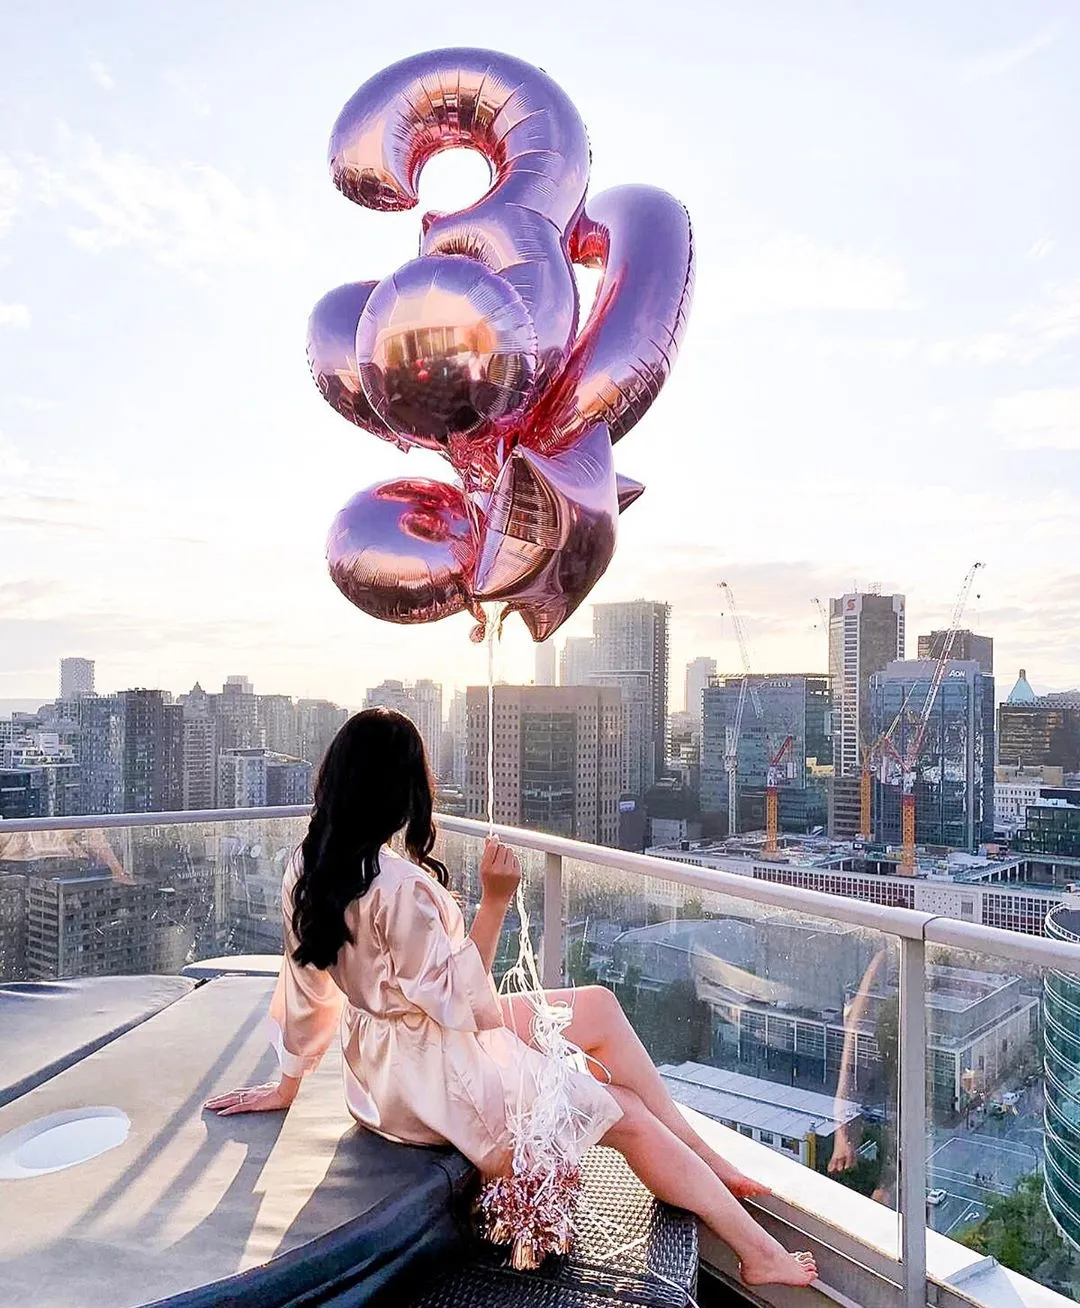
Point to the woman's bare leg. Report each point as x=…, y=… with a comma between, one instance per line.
x=601, y=1029
x=679, y=1176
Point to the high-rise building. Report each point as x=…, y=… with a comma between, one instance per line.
x=577, y=661
x=966, y=646
x=791, y=704
x=1061, y=1111
x=1037, y=731
x=277, y=724
x=39, y=777
x=76, y=678
x=258, y=778
x=546, y=667
x=100, y=753
x=631, y=652
x=237, y=713
x=12, y=927
x=318, y=722
x=954, y=772
x=153, y=752
x=200, y=751
x=866, y=631
x=698, y=674
x=457, y=730
x=389, y=695
x=91, y=926
x=557, y=759
x=427, y=713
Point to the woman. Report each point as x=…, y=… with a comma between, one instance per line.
x=376, y=945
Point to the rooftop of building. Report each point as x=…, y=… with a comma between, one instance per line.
x=785, y=1110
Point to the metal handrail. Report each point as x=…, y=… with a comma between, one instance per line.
x=903, y=922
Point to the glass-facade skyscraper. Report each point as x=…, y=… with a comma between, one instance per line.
x=795, y=705
x=954, y=772
x=1061, y=1064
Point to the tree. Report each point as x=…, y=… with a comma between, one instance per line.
x=1019, y=1232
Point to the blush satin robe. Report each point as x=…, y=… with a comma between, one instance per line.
x=427, y=1057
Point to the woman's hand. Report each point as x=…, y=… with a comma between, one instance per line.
x=500, y=871
x=255, y=1098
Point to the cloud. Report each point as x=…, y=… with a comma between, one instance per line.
x=10, y=193
x=14, y=315
x=793, y=274
x=1029, y=335
x=101, y=75
x=189, y=89
x=1041, y=248
x=1038, y=420
x=991, y=63
x=182, y=214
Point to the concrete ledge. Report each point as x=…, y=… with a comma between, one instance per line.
x=234, y=965
x=855, y=1240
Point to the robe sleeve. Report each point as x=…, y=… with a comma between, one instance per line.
x=306, y=1006
x=447, y=981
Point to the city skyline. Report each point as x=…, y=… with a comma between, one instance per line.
x=886, y=328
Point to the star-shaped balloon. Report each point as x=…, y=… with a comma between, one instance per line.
x=473, y=348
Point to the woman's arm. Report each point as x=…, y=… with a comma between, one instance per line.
x=500, y=873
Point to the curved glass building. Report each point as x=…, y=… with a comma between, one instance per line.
x=1061, y=1026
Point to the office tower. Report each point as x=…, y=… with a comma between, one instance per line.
x=390, y=695
x=631, y=652
x=866, y=631
x=577, y=661
x=153, y=752
x=259, y=778
x=966, y=647
x=427, y=713
x=457, y=730
x=91, y=925
x=1038, y=730
x=12, y=927
x=76, y=678
x=277, y=724
x=100, y=753
x=237, y=713
x=317, y=723
x=795, y=705
x=546, y=666
x=697, y=678
x=557, y=759
x=954, y=772
x=39, y=777
x=200, y=751
x=1061, y=1057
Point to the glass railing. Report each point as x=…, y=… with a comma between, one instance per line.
x=930, y=1066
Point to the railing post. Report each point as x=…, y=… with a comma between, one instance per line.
x=911, y=1147
x=551, y=950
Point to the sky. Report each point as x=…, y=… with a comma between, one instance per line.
x=879, y=382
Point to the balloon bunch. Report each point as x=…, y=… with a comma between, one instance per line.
x=473, y=348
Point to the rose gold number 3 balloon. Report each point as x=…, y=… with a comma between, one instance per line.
x=473, y=348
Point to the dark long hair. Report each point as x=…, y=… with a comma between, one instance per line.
x=373, y=781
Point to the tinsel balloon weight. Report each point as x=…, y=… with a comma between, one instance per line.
x=473, y=350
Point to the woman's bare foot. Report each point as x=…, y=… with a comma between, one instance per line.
x=740, y=1185
x=776, y=1266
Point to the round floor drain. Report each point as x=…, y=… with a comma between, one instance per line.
x=61, y=1140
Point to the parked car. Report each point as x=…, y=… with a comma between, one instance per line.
x=935, y=1197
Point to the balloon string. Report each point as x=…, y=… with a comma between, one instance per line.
x=492, y=627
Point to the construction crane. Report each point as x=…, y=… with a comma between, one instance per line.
x=772, y=797
x=910, y=758
x=734, y=730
